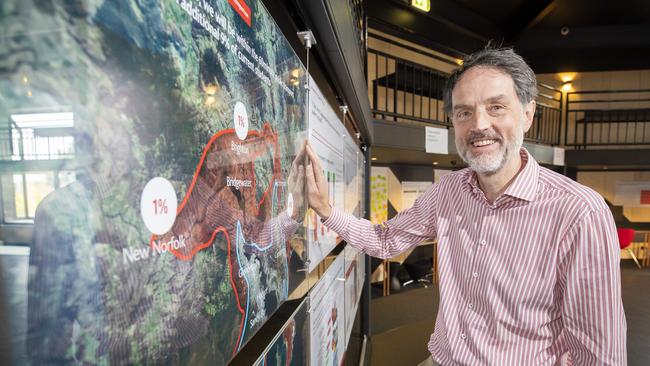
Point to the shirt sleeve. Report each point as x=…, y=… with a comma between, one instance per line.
x=406, y=230
x=592, y=308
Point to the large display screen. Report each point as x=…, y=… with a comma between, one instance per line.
x=150, y=144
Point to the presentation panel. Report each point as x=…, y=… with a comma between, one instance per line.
x=351, y=175
x=162, y=135
x=361, y=181
x=327, y=316
x=290, y=347
x=354, y=278
x=326, y=133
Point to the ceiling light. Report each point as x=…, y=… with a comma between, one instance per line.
x=373, y=158
x=435, y=163
x=567, y=76
x=210, y=89
x=424, y=5
x=567, y=86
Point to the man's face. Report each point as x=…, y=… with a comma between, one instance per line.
x=489, y=120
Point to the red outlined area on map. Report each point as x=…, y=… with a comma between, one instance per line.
x=219, y=144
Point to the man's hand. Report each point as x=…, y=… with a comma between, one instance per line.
x=296, y=183
x=317, y=194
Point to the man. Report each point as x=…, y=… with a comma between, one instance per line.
x=529, y=260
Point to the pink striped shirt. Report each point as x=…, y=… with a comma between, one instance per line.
x=531, y=279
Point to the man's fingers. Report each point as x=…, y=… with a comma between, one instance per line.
x=300, y=179
x=300, y=155
x=311, y=181
x=315, y=161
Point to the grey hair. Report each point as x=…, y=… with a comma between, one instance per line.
x=502, y=59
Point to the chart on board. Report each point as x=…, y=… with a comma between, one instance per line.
x=327, y=316
x=326, y=134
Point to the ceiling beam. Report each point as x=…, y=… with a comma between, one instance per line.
x=621, y=47
x=526, y=16
x=460, y=30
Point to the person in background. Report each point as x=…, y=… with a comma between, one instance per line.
x=529, y=259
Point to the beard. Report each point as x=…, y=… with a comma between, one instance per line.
x=490, y=163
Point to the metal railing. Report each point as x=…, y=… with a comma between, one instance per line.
x=598, y=118
x=361, y=27
x=547, y=124
x=19, y=144
x=402, y=90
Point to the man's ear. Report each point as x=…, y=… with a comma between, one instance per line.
x=529, y=114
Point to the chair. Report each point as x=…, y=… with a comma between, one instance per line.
x=625, y=237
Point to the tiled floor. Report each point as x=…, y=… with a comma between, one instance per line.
x=401, y=323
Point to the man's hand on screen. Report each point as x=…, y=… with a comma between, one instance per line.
x=317, y=191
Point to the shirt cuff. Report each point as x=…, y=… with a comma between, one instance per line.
x=288, y=225
x=338, y=221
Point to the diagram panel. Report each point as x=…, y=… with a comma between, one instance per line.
x=326, y=132
x=327, y=316
x=351, y=175
x=354, y=278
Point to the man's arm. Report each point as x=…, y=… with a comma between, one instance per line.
x=592, y=308
x=404, y=231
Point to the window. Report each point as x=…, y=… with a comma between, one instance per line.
x=42, y=136
x=31, y=137
x=23, y=192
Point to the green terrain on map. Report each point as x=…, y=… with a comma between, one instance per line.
x=149, y=87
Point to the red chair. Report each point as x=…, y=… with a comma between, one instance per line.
x=625, y=237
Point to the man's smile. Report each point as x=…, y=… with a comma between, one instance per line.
x=484, y=142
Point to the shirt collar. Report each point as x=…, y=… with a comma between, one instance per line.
x=525, y=184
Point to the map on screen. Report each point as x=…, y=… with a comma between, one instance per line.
x=167, y=130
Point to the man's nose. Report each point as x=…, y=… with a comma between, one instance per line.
x=481, y=120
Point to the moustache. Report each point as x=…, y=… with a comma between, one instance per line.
x=482, y=135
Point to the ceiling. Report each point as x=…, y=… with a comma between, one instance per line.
x=552, y=35
x=393, y=156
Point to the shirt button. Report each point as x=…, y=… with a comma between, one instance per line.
x=483, y=242
x=470, y=306
x=475, y=274
x=463, y=336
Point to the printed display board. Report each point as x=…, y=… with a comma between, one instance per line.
x=411, y=191
x=361, y=180
x=632, y=193
x=326, y=132
x=290, y=347
x=327, y=316
x=355, y=272
x=155, y=143
x=379, y=195
x=351, y=176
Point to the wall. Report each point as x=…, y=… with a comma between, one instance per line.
x=605, y=184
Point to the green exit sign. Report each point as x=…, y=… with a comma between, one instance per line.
x=424, y=5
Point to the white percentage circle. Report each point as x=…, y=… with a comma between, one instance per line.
x=158, y=205
x=240, y=119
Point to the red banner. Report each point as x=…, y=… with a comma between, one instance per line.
x=645, y=197
x=242, y=9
